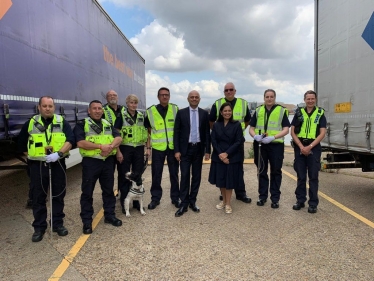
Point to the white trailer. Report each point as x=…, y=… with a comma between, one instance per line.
x=344, y=80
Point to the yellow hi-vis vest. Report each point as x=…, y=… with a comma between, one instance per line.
x=109, y=114
x=105, y=137
x=274, y=125
x=133, y=133
x=309, y=126
x=239, y=111
x=53, y=136
x=162, y=130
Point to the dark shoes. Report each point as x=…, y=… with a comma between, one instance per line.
x=221, y=197
x=29, y=204
x=275, y=205
x=298, y=206
x=113, y=221
x=176, y=203
x=194, y=208
x=312, y=209
x=87, y=228
x=181, y=211
x=244, y=199
x=61, y=230
x=153, y=204
x=261, y=202
x=37, y=236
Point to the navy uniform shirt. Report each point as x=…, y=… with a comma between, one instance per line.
x=213, y=112
x=23, y=137
x=81, y=135
x=285, y=121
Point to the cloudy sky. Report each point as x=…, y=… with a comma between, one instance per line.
x=202, y=44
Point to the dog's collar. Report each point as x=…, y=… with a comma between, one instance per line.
x=137, y=191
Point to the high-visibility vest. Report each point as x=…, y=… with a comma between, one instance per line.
x=162, y=129
x=109, y=114
x=309, y=126
x=133, y=133
x=274, y=124
x=104, y=137
x=239, y=111
x=39, y=139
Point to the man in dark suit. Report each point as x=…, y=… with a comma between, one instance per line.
x=191, y=144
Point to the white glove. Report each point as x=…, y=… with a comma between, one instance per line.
x=257, y=138
x=268, y=139
x=52, y=157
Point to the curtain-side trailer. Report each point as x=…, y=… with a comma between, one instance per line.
x=344, y=80
x=70, y=50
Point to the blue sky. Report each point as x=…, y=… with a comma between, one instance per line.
x=202, y=45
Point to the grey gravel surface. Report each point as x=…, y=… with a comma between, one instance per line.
x=252, y=243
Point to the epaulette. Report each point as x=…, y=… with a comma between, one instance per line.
x=173, y=104
x=150, y=106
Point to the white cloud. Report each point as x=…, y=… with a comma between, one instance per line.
x=257, y=44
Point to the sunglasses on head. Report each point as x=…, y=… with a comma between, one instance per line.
x=226, y=90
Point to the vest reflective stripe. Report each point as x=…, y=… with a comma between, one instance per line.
x=105, y=137
x=37, y=139
x=162, y=130
x=109, y=114
x=274, y=125
x=309, y=127
x=239, y=110
x=135, y=134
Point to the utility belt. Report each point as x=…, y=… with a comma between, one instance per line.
x=306, y=142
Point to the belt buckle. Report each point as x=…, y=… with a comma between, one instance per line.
x=306, y=141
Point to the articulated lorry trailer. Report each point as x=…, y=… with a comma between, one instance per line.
x=344, y=80
x=68, y=49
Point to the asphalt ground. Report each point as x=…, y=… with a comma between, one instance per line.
x=252, y=243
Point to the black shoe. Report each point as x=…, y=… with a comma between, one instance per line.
x=113, y=221
x=312, y=209
x=181, y=211
x=37, y=236
x=298, y=206
x=29, y=204
x=153, y=204
x=176, y=203
x=87, y=228
x=221, y=197
x=244, y=199
x=61, y=230
x=275, y=205
x=136, y=205
x=261, y=202
x=123, y=210
x=194, y=208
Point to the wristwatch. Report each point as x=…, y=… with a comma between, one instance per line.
x=60, y=154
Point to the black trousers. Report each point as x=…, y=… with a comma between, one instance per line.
x=93, y=170
x=272, y=153
x=133, y=160
x=192, y=161
x=158, y=159
x=310, y=164
x=39, y=176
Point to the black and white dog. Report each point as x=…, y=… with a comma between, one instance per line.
x=136, y=192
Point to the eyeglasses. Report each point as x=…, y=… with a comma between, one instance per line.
x=231, y=90
x=164, y=95
x=194, y=98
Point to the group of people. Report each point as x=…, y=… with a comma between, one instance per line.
x=121, y=136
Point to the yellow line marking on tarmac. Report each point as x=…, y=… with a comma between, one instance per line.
x=337, y=204
x=68, y=259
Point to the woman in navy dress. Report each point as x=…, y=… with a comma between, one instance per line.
x=228, y=154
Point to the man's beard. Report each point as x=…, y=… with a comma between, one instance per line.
x=112, y=102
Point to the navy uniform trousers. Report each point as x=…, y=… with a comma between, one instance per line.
x=158, y=159
x=272, y=153
x=133, y=160
x=193, y=159
x=39, y=176
x=310, y=164
x=93, y=170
